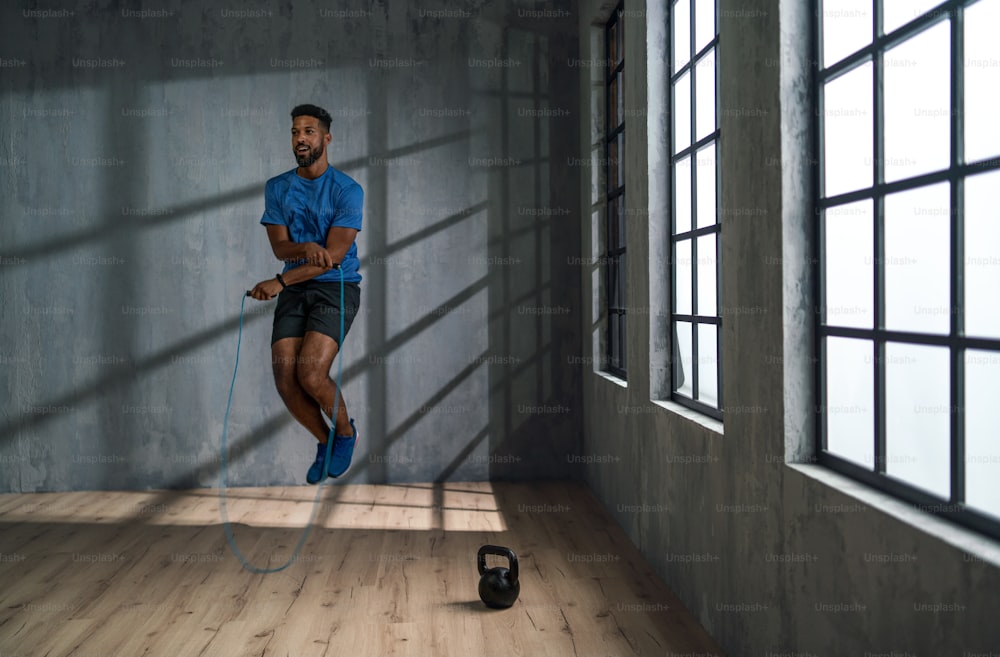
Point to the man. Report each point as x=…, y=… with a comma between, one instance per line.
x=312, y=214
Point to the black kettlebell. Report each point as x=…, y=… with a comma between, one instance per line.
x=498, y=587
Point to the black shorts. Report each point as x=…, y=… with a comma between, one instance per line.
x=314, y=306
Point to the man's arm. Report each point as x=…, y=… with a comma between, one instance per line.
x=285, y=249
x=338, y=242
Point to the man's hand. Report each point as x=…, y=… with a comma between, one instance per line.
x=266, y=290
x=317, y=256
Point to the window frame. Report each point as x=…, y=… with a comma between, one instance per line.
x=615, y=251
x=878, y=336
x=694, y=319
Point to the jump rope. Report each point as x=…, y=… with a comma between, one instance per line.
x=329, y=448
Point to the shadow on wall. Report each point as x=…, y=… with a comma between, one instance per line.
x=134, y=180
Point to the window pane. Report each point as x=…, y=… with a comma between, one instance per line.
x=682, y=112
x=847, y=27
x=982, y=427
x=850, y=399
x=682, y=367
x=706, y=186
x=708, y=359
x=613, y=341
x=621, y=100
x=612, y=47
x=621, y=281
x=613, y=174
x=897, y=13
x=682, y=33
x=704, y=23
x=682, y=195
x=614, y=227
x=982, y=255
x=682, y=277
x=917, y=260
x=917, y=104
x=621, y=159
x=614, y=285
x=847, y=132
x=982, y=81
x=621, y=36
x=613, y=116
x=850, y=265
x=622, y=322
x=706, y=275
x=918, y=424
x=705, y=90
x=622, y=218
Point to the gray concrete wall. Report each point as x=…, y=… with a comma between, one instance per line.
x=775, y=556
x=135, y=147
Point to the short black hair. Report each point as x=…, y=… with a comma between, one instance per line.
x=314, y=111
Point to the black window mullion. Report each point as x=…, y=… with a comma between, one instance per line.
x=957, y=420
x=701, y=319
x=957, y=229
x=694, y=312
x=930, y=339
x=823, y=433
x=692, y=134
x=883, y=189
x=704, y=230
x=880, y=336
x=821, y=274
x=878, y=173
x=718, y=364
x=692, y=11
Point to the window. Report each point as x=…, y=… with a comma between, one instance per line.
x=908, y=242
x=615, y=145
x=695, y=319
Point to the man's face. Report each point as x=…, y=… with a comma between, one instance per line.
x=309, y=140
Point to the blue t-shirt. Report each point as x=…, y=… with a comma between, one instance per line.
x=311, y=207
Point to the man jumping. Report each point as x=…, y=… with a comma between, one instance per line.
x=312, y=214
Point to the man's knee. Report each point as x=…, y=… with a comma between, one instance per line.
x=312, y=377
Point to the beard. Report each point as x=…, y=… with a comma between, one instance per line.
x=307, y=159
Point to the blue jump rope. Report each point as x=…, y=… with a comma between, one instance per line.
x=329, y=449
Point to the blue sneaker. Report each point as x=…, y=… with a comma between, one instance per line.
x=343, y=451
x=318, y=468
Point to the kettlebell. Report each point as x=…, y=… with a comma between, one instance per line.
x=498, y=587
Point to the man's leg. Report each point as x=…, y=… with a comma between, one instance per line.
x=285, y=356
x=313, y=375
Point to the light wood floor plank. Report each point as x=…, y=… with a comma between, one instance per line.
x=387, y=570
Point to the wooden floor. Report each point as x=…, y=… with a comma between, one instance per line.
x=387, y=570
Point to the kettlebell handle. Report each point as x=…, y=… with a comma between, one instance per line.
x=500, y=552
